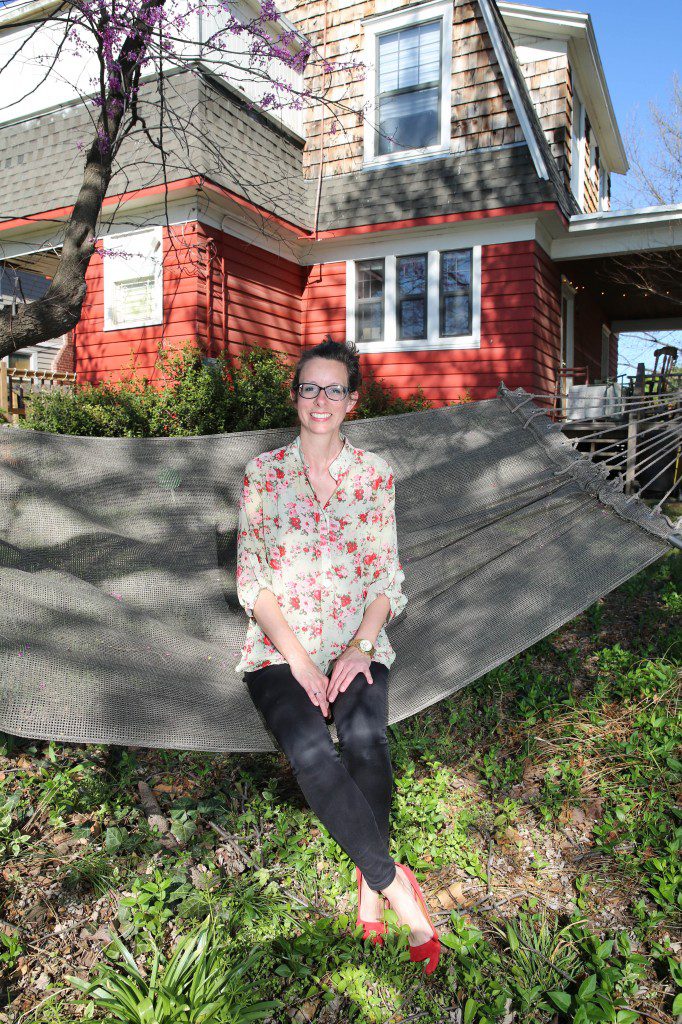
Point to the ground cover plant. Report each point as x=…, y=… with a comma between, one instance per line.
x=537, y=807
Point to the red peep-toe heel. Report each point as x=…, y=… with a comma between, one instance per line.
x=429, y=950
x=372, y=929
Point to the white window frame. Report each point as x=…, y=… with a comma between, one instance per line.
x=378, y=25
x=120, y=269
x=433, y=341
x=32, y=354
x=603, y=185
x=578, y=156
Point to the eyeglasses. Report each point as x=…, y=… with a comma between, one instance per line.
x=333, y=391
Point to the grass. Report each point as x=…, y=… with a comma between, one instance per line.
x=538, y=808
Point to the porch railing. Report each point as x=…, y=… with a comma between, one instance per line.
x=18, y=384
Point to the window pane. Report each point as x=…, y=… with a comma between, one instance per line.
x=429, y=53
x=409, y=57
x=455, y=293
x=369, y=300
x=456, y=270
x=19, y=361
x=456, y=315
x=408, y=121
x=133, y=300
x=411, y=282
x=370, y=279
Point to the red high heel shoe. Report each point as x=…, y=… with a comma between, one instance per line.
x=372, y=929
x=429, y=950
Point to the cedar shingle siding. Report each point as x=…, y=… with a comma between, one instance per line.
x=219, y=136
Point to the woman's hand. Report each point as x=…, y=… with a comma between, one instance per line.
x=313, y=682
x=346, y=667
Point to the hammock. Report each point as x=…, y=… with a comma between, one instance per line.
x=119, y=616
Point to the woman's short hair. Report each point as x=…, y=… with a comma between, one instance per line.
x=343, y=352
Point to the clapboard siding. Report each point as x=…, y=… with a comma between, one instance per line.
x=227, y=294
x=509, y=331
x=263, y=293
x=109, y=355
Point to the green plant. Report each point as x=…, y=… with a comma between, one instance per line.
x=152, y=903
x=11, y=949
x=195, y=986
x=192, y=395
x=92, y=870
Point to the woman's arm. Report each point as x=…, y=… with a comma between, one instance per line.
x=254, y=575
x=386, y=575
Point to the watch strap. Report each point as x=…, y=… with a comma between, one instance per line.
x=356, y=643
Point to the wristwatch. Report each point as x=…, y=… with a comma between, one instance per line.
x=366, y=646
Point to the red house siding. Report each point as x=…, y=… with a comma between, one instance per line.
x=547, y=322
x=222, y=293
x=519, y=330
x=261, y=291
x=108, y=355
x=205, y=272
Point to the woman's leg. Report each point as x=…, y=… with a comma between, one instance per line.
x=301, y=731
x=360, y=715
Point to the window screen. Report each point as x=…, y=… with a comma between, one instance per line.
x=133, y=300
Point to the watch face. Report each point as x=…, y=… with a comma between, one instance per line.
x=366, y=646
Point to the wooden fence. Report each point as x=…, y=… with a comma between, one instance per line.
x=17, y=385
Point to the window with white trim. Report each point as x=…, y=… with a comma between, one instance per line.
x=408, y=56
x=578, y=147
x=408, y=88
x=369, y=305
x=411, y=301
x=455, y=293
x=133, y=279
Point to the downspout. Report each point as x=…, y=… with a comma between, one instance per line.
x=322, y=126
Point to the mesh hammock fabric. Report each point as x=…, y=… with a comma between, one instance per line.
x=120, y=621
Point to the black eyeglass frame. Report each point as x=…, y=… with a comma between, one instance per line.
x=309, y=383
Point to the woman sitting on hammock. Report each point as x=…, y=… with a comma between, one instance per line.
x=318, y=574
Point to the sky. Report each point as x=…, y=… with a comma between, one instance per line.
x=639, y=45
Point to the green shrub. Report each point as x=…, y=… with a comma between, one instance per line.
x=193, y=396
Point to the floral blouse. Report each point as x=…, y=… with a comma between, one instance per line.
x=324, y=564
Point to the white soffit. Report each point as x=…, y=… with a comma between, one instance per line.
x=538, y=22
x=650, y=229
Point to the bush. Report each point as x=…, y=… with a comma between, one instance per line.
x=195, y=396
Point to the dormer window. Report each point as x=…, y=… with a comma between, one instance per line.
x=408, y=60
x=408, y=90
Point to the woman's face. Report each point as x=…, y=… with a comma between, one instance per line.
x=323, y=415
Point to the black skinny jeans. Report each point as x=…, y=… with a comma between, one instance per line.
x=349, y=791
